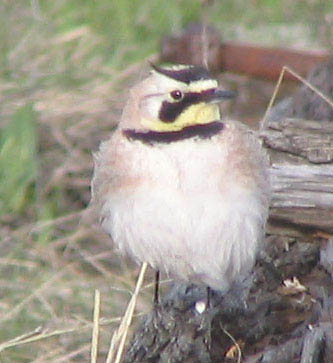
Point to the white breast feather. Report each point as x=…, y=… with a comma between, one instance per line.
x=181, y=221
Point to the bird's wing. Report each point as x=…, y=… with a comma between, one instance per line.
x=109, y=164
x=245, y=159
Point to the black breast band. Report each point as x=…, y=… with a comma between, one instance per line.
x=202, y=131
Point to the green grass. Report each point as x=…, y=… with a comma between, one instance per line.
x=65, y=67
x=18, y=161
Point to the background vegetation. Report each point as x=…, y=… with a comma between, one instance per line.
x=65, y=67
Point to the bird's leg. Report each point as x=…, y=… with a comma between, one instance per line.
x=208, y=298
x=157, y=280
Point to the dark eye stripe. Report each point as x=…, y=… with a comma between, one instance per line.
x=170, y=111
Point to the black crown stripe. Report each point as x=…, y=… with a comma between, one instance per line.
x=185, y=75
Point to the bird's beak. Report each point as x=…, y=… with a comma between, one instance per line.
x=220, y=95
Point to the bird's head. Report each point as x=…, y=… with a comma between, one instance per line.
x=173, y=98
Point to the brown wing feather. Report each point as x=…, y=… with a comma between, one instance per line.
x=247, y=160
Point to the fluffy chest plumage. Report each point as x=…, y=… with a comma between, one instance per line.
x=189, y=167
x=181, y=216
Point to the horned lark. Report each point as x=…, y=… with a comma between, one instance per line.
x=180, y=188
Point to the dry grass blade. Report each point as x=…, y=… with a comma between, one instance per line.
x=46, y=357
x=239, y=358
x=301, y=79
x=66, y=358
x=204, y=35
x=272, y=100
x=119, y=337
x=95, y=333
x=23, y=337
x=39, y=226
x=15, y=310
x=37, y=334
x=308, y=84
x=16, y=262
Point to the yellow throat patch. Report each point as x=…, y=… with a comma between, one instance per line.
x=200, y=113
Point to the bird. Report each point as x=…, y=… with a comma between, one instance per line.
x=181, y=187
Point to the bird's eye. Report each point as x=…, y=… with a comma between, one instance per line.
x=176, y=95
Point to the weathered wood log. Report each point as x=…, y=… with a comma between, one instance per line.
x=301, y=150
x=310, y=139
x=313, y=345
x=302, y=172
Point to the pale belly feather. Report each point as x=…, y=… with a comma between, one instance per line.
x=182, y=221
